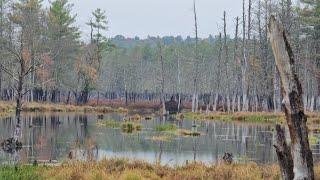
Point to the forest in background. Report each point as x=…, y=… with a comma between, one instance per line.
x=229, y=72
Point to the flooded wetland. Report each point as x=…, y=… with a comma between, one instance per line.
x=58, y=137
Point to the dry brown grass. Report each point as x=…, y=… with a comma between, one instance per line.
x=123, y=169
x=185, y=132
x=5, y=105
x=238, y=116
x=8, y=107
x=120, y=169
x=263, y=117
x=131, y=105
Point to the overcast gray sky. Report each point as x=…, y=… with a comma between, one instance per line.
x=159, y=17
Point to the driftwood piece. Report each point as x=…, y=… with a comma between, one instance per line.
x=292, y=103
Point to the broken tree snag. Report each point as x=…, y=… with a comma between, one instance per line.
x=292, y=102
x=284, y=155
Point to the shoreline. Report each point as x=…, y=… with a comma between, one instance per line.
x=124, y=169
x=8, y=109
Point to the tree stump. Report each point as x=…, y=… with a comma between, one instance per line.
x=11, y=145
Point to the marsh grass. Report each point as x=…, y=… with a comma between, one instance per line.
x=109, y=124
x=135, y=117
x=121, y=169
x=6, y=109
x=129, y=127
x=184, y=132
x=165, y=127
x=171, y=129
x=136, y=170
x=239, y=116
x=19, y=173
x=9, y=107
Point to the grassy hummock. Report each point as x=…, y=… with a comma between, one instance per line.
x=184, y=132
x=109, y=124
x=165, y=127
x=129, y=127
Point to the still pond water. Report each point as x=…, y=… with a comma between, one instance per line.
x=58, y=137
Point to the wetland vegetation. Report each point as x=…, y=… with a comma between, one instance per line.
x=79, y=103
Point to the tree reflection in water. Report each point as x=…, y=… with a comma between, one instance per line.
x=59, y=136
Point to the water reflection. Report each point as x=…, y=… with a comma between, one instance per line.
x=57, y=137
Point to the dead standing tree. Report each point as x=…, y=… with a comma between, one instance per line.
x=195, y=96
x=22, y=58
x=299, y=163
x=163, y=98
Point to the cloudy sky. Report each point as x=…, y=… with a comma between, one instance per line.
x=159, y=17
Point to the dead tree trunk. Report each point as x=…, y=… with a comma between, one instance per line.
x=226, y=50
x=163, y=98
x=216, y=100
x=244, y=63
x=292, y=104
x=179, y=84
x=284, y=155
x=195, y=98
x=17, y=132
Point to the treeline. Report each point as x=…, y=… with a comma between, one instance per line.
x=42, y=55
x=219, y=72
x=229, y=72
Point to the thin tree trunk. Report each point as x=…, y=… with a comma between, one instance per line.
x=179, y=83
x=216, y=102
x=244, y=64
x=126, y=97
x=226, y=50
x=234, y=96
x=228, y=103
x=236, y=61
x=239, y=103
x=196, y=63
x=98, y=98
x=305, y=102
x=312, y=103
x=69, y=96
x=163, y=98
